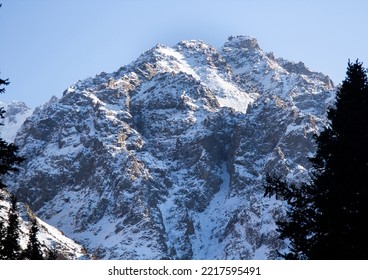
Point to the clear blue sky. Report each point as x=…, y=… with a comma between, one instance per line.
x=47, y=45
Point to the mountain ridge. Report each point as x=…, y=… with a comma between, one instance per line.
x=165, y=157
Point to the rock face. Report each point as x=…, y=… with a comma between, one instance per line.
x=165, y=158
x=51, y=239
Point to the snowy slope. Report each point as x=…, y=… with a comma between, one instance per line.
x=165, y=158
x=16, y=113
x=49, y=237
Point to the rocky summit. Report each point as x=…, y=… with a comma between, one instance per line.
x=165, y=158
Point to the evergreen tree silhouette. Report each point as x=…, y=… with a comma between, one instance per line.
x=33, y=250
x=8, y=151
x=9, y=236
x=11, y=243
x=52, y=254
x=328, y=218
x=2, y=239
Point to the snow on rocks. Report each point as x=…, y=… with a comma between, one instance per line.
x=165, y=158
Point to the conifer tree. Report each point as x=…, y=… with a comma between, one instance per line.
x=52, y=254
x=3, y=82
x=2, y=239
x=2, y=90
x=328, y=218
x=8, y=152
x=9, y=246
x=11, y=243
x=33, y=250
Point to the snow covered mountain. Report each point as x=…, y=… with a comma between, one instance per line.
x=51, y=239
x=16, y=113
x=165, y=158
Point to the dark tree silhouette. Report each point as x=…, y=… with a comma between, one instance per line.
x=52, y=254
x=9, y=236
x=33, y=251
x=3, y=82
x=328, y=218
x=2, y=239
x=8, y=152
x=12, y=248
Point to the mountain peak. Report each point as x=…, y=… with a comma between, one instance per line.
x=193, y=44
x=166, y=157
x=242, y=42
